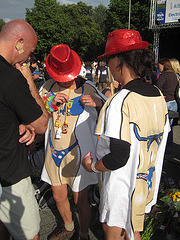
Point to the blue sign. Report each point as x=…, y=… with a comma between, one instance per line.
x=160, y=15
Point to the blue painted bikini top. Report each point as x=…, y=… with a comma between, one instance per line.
x=74, y=105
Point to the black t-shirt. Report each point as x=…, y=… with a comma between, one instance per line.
x=89, y=73
x=103, y=71
x=17, y=106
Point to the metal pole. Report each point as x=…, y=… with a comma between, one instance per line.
x=129, y=23
x=156, y=44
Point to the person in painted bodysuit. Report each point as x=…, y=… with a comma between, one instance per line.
x=72, y=103
x=133, y=126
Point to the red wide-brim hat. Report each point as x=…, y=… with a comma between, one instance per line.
x=123, y=40
x=63, y=64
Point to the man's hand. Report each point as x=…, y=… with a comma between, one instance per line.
x=60, y=98
x=91, y=101
x=29, y=134
x=87, y=161
x=25, y=70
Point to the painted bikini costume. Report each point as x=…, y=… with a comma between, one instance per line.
x=64, y=155
x=129, y=192
x=75, y=108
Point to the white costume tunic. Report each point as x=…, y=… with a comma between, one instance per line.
x=141, y=120
x=64, y=155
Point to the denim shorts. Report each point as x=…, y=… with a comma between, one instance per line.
x=172, y=105
x=19, y=210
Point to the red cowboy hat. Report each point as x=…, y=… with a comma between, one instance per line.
x=63, y=64
x=123, y=40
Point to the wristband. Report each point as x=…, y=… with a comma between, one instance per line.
x=93, y=167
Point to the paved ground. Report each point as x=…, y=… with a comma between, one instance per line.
x=51, y=221
x=50, y=218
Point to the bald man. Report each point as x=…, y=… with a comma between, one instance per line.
x=22, y=112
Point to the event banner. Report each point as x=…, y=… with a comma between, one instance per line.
x=167, y=11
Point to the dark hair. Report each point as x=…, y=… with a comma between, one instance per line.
x=163, y=60
x=33, y=60
x=167, y=65
x=142, y=62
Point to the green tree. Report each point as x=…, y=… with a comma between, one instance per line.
x=99, y=16
x=50, y=23
x=87, y=35
x=118, y=17
x=68, y=24
x=1, y=23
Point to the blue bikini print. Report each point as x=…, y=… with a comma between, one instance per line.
x=76, y=109
x=150, y=140
x=59, y=155
x=147, y=177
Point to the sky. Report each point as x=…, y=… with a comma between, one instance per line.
x=15, y=9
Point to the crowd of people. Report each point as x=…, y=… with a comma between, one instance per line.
x=115, y=136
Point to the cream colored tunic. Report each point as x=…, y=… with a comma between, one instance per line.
x=130, y=191
x=80, y=132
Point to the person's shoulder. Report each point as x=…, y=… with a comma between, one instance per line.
x=142, y=87
x=49, y=83
x=89, y=84
x=11, y=77
x=7, y=69
x=47, y=86
x=167, y=73
x=163, y=73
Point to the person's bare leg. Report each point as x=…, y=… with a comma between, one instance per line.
x=36, y=237
x=3, y=231
x=105, y=228
x=81, y=200
x=137, y=236
x=114, y=233
x=62, y=203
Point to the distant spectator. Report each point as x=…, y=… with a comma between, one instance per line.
x=90, y=72
x=102, y=76
x=40, y=65
x=161, y=66
x=83, y=71
x=33, y=65
x=176, y=67
x=38, y=79
x=116, y=87
x=168, y=83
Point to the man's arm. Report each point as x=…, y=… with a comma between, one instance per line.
x=40, y=124
x=28, y=134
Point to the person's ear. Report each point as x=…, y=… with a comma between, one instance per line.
x=19, y=47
